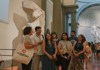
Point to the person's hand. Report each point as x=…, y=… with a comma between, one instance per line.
x=35, y=48
x=50, y=57
x=41, y=42
x=64, y=57
x=76, y=55
x=35, y=44
x=54, y=56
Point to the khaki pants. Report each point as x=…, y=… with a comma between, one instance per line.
x=36, y=61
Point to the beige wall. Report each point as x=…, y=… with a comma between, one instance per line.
x=68, y=2
x=9, y=33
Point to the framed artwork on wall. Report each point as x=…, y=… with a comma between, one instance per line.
x=4, y=11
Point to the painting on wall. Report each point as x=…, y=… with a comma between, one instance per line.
x=4, y=11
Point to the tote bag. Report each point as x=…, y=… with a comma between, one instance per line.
x=22, y=54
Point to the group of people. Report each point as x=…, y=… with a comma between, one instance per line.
x=67, y=53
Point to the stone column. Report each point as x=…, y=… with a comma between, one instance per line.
x=63, y=20
x=73, y=21
x=66, y=22
x=43, y=4
x=57, y=16
x=71, y=9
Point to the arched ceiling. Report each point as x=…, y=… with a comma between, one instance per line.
x=87, y=0
x=85, y=4
x=89, y=18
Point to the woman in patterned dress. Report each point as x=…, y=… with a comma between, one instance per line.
x=65, y=49
x=78, y=53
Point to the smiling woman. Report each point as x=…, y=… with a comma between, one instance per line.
x=4, y=10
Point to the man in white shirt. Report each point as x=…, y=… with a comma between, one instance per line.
x=38, y=38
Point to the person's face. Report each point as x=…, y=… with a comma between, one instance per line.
x=99, y=44
x=64, y=36
x=79, y=38
x=54, y=36
x=48, y=36
x=31, y=32
x=72, y=34
x=38, y=31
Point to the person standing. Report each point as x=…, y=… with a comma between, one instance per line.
x=88, y=53
x=58, y=58
x=73, y=37
x=29, y=44
x=78, y=53
x=50, y=51
x=38, y=38
x=65, y=49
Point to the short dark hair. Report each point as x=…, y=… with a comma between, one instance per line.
x=27, y=30
x=73, y=31
x=37, y=27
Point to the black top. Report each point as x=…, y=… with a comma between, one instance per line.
x=79, y=47
x=50, y=49
x=73, y=39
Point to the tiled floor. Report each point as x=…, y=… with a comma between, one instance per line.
x=94, y=64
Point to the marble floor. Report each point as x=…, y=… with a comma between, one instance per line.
x=94, y=64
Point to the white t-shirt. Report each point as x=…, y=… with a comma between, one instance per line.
x=36, y=38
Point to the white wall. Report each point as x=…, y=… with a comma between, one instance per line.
x=87, y=20
x=7, y=33
x=10, y=33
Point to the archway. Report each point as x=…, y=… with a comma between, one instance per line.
x=86, y=6
x=88, y=17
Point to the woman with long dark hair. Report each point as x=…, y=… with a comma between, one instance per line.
x=58, y=57
x=65, y=49
x=49, y=56
x=78, y=53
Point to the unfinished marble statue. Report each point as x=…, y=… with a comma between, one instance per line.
x=26, y=13
x=35, y=17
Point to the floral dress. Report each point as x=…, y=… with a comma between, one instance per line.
x=78, y=62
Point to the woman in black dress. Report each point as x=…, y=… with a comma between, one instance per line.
x=58, y=60
x=50, y=51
